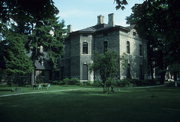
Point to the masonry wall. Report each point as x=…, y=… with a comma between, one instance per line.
x=75, y=57
x=112, y=38
x=86, y=58
x=137, y=62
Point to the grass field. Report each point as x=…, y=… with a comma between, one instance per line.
x=91, y=105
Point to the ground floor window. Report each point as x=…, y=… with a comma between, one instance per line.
x=128, y=71
x=85, y=72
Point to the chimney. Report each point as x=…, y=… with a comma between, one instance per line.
x=100, y=19
x=111, y=19
x=69, y=28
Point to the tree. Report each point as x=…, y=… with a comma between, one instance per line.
x=158, y=21
x=106, y=65
x=35, y=20
x=15, y=60
x=48, y=35
x=120, y=4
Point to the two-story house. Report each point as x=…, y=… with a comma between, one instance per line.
x=80, y=46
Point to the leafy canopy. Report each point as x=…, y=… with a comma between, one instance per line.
x=106, y=65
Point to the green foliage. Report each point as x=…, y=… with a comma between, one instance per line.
x=32, y=21
x=120, y=4
x=134, y=82
x=122, y=83
x=106, y=65
x=97, y=84
x=58, y=82
x=16, y=60
x=49, y=35
x=72, y=81
x=161, y=23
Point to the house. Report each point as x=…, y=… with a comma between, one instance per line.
x=80, y=46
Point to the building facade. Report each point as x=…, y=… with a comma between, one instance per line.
x=82, y=44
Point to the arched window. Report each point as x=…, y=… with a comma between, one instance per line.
x=128, y=46
x=85, y=48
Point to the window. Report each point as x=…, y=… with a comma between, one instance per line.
x=105, y=46
x=85, y=72
x=128, y=46
x=140, y=50
x=85, y=48
x=128, y=73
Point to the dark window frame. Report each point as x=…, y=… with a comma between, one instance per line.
x=128, y=47
x=85, y=48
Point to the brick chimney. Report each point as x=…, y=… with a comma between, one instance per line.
x=111, y=19
x=100, y=19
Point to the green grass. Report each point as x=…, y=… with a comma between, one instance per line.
x=91, y=105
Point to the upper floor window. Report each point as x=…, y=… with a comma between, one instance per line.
x=140, y=50
x=134, y=33
x=128, y=46
x=105, y=46
x=85, y=48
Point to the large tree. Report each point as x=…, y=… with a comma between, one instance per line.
x=35, y=19
x=158, y=21
x=16, y=60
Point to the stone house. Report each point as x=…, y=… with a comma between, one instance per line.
x=80, y=46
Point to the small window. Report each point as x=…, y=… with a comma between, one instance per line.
x=134, y=33
x=85, y=48
x=105, y=46
x=140, y=50
x=128, y=47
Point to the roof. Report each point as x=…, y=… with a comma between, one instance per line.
x=101, y=28
x=44, y=66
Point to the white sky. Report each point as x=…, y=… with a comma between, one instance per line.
x=83, y=13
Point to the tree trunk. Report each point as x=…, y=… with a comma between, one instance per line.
x=151, y=70
x=162, y=78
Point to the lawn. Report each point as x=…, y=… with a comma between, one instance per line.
x=91, y=105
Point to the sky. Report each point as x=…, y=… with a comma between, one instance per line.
x=83, y=13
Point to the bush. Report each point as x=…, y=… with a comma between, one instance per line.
x=86, y=83
x=73, y=81
x=57, y=82
x=97, y=83
x=123, y=82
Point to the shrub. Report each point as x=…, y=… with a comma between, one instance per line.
x=123, y=82
x=87, y=83
x=97, y=83
x=57, y=82
x=73, y=81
